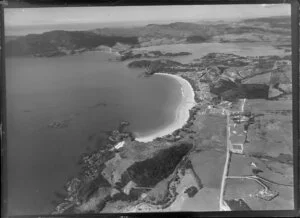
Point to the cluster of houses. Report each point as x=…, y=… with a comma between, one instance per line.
x=238, y=133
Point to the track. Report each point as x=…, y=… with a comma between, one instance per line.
x=222, y=205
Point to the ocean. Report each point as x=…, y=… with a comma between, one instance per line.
x=94, y=93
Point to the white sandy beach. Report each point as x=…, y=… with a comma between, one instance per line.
x=182, y=111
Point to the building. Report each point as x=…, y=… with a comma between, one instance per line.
x=237, y=134
x=237, y=148
x=267, y=194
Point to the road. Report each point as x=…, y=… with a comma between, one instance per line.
x=249, y=177
x=225, y=171
x=258, y=179
x=222, y=205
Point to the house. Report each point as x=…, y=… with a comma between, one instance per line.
x=237, y=148
x=237, y=139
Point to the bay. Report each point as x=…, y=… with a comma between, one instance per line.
x=94, y=94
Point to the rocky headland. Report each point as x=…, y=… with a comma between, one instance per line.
x=150, y=54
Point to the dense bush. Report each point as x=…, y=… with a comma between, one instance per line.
x=51, y=42
x=149, y=172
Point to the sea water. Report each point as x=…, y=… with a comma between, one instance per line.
x=93, y=93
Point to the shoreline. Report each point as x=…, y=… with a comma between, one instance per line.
x=182, y=113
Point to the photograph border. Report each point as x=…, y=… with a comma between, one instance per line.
x=295, y=7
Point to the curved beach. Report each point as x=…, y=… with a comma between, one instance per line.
x=182, y=111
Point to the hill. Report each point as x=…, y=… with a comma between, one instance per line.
x=61, y=42
x=53, y=43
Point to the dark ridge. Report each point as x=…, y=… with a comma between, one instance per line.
x=285, y=158
x=223, y=59
x=273, y=19
x=89, y=189
x=196, y=39
x=221, y=86
x=249, y=91
x=230, y=90
x=133, y=196
x=151, y=54
x=139, y=64
x=51, y=43
x=254, y=91
x=149, y=172
x=282, y=158
x=236, y=205
x=153, y=66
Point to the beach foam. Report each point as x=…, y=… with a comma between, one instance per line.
x=182, y=111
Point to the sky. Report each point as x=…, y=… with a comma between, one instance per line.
x=26, y=17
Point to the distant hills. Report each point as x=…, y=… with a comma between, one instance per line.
x=59, y=42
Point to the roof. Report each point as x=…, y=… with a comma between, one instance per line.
x=237, y=146
x=238, y=128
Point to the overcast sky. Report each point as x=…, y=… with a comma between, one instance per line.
x=81, y=15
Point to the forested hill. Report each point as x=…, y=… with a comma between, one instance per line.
x=59, y=42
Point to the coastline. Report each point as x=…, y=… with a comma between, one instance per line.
x=182, y=112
